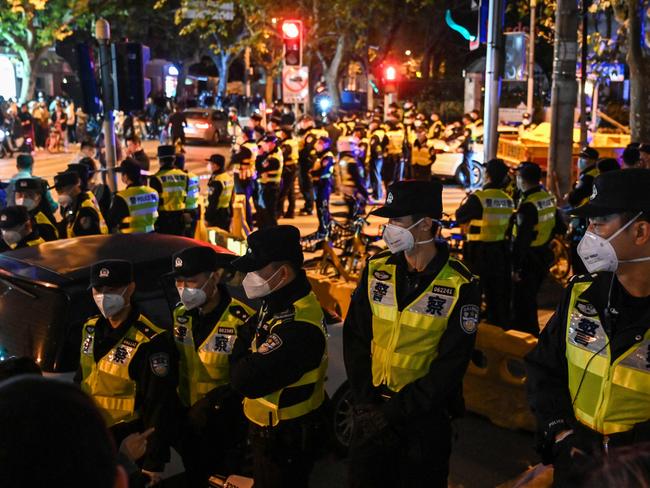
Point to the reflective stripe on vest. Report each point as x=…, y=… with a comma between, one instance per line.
x=614, y=396
x=226, y=193
x=88, y=200
x=174, y=189
x=206, y=368
x=421, y=155
x=544, y=203
x=498, y=208
x=404, y=344
x=273, y=176
x=41, y=219
x=295, y=150
x=193, y=192
x=320, y=173
x=107, y=381
x=593, y=172
x=266, y=411
x=142, y=202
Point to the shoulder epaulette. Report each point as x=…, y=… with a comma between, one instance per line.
x=459, y=267
x=380, y=254
x=145, y=329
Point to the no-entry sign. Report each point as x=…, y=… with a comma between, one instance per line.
x=295, y=84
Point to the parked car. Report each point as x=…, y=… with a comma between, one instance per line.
x=206, y=125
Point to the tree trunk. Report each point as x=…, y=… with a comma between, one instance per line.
x=223, y=75
x=268, y=88
x=29, y=79
x=563, y=97
x=332, y=74
x=639, y=64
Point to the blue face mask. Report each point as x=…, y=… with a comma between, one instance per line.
x=582, y=164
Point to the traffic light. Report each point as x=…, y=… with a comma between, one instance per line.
x=390, y=78
x=130, y=86
x=391, y=73
x=292, y=40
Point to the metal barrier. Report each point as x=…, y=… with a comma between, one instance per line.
x=494, y=385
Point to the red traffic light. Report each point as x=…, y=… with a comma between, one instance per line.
x=291, y=29
x=391, y=73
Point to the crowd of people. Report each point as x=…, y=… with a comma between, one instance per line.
x=253, y=377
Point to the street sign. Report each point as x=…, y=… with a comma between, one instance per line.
x=200, y=9
x=295, y=84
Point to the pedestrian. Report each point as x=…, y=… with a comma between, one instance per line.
x=27, y=128
x=30, y=193
x=134, y=209
x=25, y=167
x=268, y=167
x=353, y=157
x=134, y=150
x=279, y=360
x=218, y=211
x=80, y=211
x=534, y=227
x=18, y=229
x=377, y=151
x=307, y=139
x=587, y=376
x=176, y=124
x=192, y=213
x=205, y=329
x=242, y=163
x=290, y=154
x=407, y=340
x=423, y=155
x=487, y=213
x=100, y=190
x=171, y=185
x=631, y=157
x=321, y=177
x=128, y=365
x=87, y=149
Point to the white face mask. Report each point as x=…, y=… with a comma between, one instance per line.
x=30, y=203
x=193, y=298
x=65, y=200
x=256, y=287
x=400, y=238
x=110, y=304
x=598, y=254
x=12, y=237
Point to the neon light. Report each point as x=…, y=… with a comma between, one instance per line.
x=458, y=28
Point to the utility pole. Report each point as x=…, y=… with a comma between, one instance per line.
x=493, y=65
x=531, y=59
x=563, y=97
x=583, y=76
x=103, y=35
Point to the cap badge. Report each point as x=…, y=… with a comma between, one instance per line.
x=594, y=193
x=389, y=198
x=104, y=273
x=4, y=218
x=178, y=263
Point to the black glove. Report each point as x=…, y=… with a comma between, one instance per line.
x=373, y=426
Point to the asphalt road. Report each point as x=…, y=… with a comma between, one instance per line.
x=483, y=455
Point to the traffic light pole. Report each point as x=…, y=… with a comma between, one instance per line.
x=493, y=80
x=103, y=35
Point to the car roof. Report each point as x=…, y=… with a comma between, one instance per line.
x=62, y=261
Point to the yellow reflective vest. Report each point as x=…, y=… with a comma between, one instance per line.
x=405, y=343
x=274, y=175
x=193, y=192
x=107, y=381
x=613, y=396
x=266, y=411
x=421, y=154
x=89, y=201
x=244, y=169
x=544, y=203
x=142, y=202
x=42, y=219
x=205, y=367
x=174, y=189
x=395, y=141
x=593, y=172
x=295, y=150
x=228, y=186
x=498, y=209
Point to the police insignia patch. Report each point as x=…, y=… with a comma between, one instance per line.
x=182, y=320
x=389, y=198
x=160, y=364
x=382, y=275
x=272, y=343
x=594, y=193
x=104, y=273
x=178, y=263
x=469, y=318
x=586, y=309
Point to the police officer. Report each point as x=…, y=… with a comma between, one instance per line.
x=128, y=365
x=192, y=208
x=134, y=209
x=290, y=154
x=321, y=177
x=18, y=229
x=588, y=374
x=376, y=152
x=243, y=166
x=218, y=212
x=407, y=341
x=171, y=185
x=80, y=211
x=579, y=194
x=307, y=140
x=268, y=167
x=395, y=134
x=353, y=155
x=437, y=128
x=534, y=227
x=422, y=155
x=30, y=193
x=279, y=359
x=488, y=213
x=205, y=328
